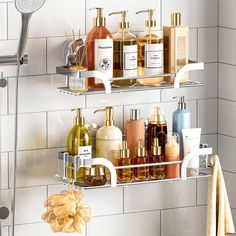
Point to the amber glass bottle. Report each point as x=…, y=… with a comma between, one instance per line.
x=99, y=42
x=156, y=172
x=124, y=175
x=157, y=128
x=140, y=173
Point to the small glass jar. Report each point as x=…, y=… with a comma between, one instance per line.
x=95, y=176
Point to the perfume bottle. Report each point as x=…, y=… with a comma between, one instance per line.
x=176, y=47
x=141, y=173
x=172, y=153
x=99, y=49
x=124, y=175
x=150, y=51
x=156, y=172
x=125, y=53
x=157, y=128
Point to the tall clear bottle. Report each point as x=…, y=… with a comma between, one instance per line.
x=125, y=53
x=150, y=51
x=99, y=49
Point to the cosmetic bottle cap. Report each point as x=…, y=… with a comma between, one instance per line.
x=135, y=114
x=181, y=103
x=95, y=171
x=123, y=24
x=176, y=19
x=99, y=20
x=156, y=149
x=141, y=150
x=78, y=119
x=150, y=22
x=124, y=152
x=109, y=115
x=157, y=117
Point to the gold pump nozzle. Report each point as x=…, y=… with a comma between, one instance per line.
x=78, y=119
x=124, y=151
x=156, y=149
x=157, y=117
x=124, y=24
x=109, y=115
x=99, y=20
x=151, y=22
x=141, y=150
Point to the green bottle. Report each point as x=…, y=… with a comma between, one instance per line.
x=79, y=143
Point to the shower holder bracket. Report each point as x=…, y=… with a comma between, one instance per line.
x=4, y=212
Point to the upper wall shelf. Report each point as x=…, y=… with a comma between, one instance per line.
x=83, y=74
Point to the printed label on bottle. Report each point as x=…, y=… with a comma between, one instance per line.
x=103, y=53
x=77, y=84
x=153, y=59
x=85, y=152
x=130, y=60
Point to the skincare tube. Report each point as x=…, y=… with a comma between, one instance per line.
x=191, y=142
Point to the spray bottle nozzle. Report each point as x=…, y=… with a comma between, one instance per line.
x=150, y=22
x=124, y=24
x=99, y=20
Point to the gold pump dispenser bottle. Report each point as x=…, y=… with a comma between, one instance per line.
x=125, y=53
x=79, y=143
x=124, y=175
x=176, y=47
x=150, y=51
x=99, y=49
x=108, y=137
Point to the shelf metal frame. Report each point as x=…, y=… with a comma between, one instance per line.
x=191, y=66
x=82, y=162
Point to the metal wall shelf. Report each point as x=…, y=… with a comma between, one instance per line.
x=64, y=70
x=80, y=162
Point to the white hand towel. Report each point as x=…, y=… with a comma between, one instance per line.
x=219, y=217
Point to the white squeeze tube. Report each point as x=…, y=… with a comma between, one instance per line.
x=191, y=142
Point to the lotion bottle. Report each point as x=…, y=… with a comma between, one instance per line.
x=125, y=53
x=181, y=120
x=79, y=143
x=108, y=137
x=150, y=51
x=176, y=47
x=99, y=49
x=134, y=130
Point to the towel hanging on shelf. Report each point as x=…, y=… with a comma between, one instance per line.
x=219, y=217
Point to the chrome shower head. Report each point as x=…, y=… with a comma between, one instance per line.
x=26, y=8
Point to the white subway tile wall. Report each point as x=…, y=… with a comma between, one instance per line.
x=45, y=116
x=226, y=94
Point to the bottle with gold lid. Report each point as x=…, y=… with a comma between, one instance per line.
x=108, y=137
x=176, y=47
x=79, y=143
x=124, y=175
x=157, y=156
x=157, y=128
x=150, y=51
x=125, y=53
x=140, y=173
x=99, y=49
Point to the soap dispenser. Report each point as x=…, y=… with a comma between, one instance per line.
x=150, y=51
x=99, y=49
x=125, y=53
x=108, y=137
x=176, y=47
x=157, y=128
x=181, y=120
x=79, y=143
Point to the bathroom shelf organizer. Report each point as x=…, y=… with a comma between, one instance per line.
x=78, y=162
x=65, y=70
